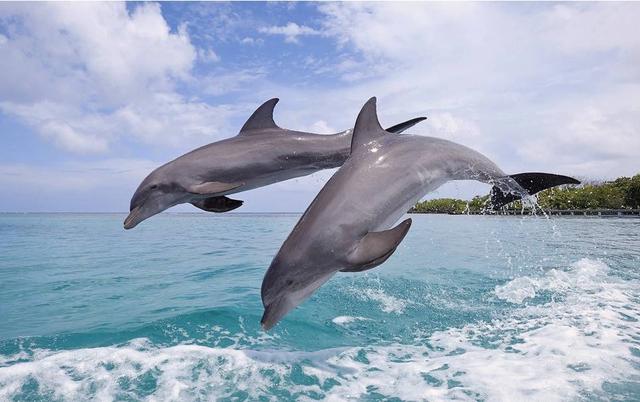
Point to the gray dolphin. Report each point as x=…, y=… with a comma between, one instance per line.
x=347, y=226
x=261, y=154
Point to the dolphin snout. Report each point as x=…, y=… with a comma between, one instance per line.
x=132, y=219
x=274, y=311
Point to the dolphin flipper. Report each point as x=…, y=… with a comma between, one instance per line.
x=217, y=204
x=405, y=125
x=376, y=247
x=213, y=187
x=532, y=182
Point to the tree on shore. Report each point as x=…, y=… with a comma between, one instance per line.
x=622, y=193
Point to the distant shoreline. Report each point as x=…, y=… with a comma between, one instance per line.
x=620, y=197
x=552, y=212
x=510, y=212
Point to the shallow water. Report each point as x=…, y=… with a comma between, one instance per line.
x=468, y=308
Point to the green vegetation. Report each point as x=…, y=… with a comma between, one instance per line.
x=450, y=206
x=622, y=193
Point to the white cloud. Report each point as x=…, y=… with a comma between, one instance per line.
x=208, y=56
x=593, y=27
x=291, y=31
x=164, y=119
x=119, y=54
x=546, y=86
x=169, y=119
x=224, y=82
x=248, y=40
x=69, y=127
x=322, y=127
x=597, y=136
x=451, y=127
x=87, y=75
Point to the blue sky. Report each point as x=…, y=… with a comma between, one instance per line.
x=93, y=96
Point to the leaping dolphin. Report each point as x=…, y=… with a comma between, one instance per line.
x=261, y=154
x=347, y=226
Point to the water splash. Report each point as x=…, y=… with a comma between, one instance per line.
x=558, y=350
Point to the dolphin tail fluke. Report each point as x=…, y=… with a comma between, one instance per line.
x=532, y=182
x=405, y=125
x=376, y=247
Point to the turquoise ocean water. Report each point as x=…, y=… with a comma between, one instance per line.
x=468, y=308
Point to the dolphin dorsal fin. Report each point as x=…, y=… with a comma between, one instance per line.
x=261, y=119
x=367, y=127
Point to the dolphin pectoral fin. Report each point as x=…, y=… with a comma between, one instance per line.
x=376, y=247
x=261, y=119
x=217, y=204
x=371, y=264
x=405, y=125
x=213, y=187
x=532, y=182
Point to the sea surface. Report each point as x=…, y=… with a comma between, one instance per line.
x=468, y=308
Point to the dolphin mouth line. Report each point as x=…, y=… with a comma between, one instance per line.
x=129, y=222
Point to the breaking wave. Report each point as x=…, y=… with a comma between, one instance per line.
x=573, y=333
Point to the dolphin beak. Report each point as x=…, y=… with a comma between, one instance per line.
x=132, y=220
x=268, y=320
x=264, y=325
x=274, y=311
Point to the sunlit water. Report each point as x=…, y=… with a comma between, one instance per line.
x=468, y=308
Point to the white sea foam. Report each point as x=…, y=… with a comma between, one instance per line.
x=517, y=290
x=584, y=275
x=347, y=319
x=388, y=303
x=555, y=351
x=552, y=351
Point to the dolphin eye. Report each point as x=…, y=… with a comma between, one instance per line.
x=153, y=187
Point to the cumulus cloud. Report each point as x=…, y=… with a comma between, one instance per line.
x=86, y=75
x=119, y=53
x=291, y=31
x=547, y=86
x=67, y=126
